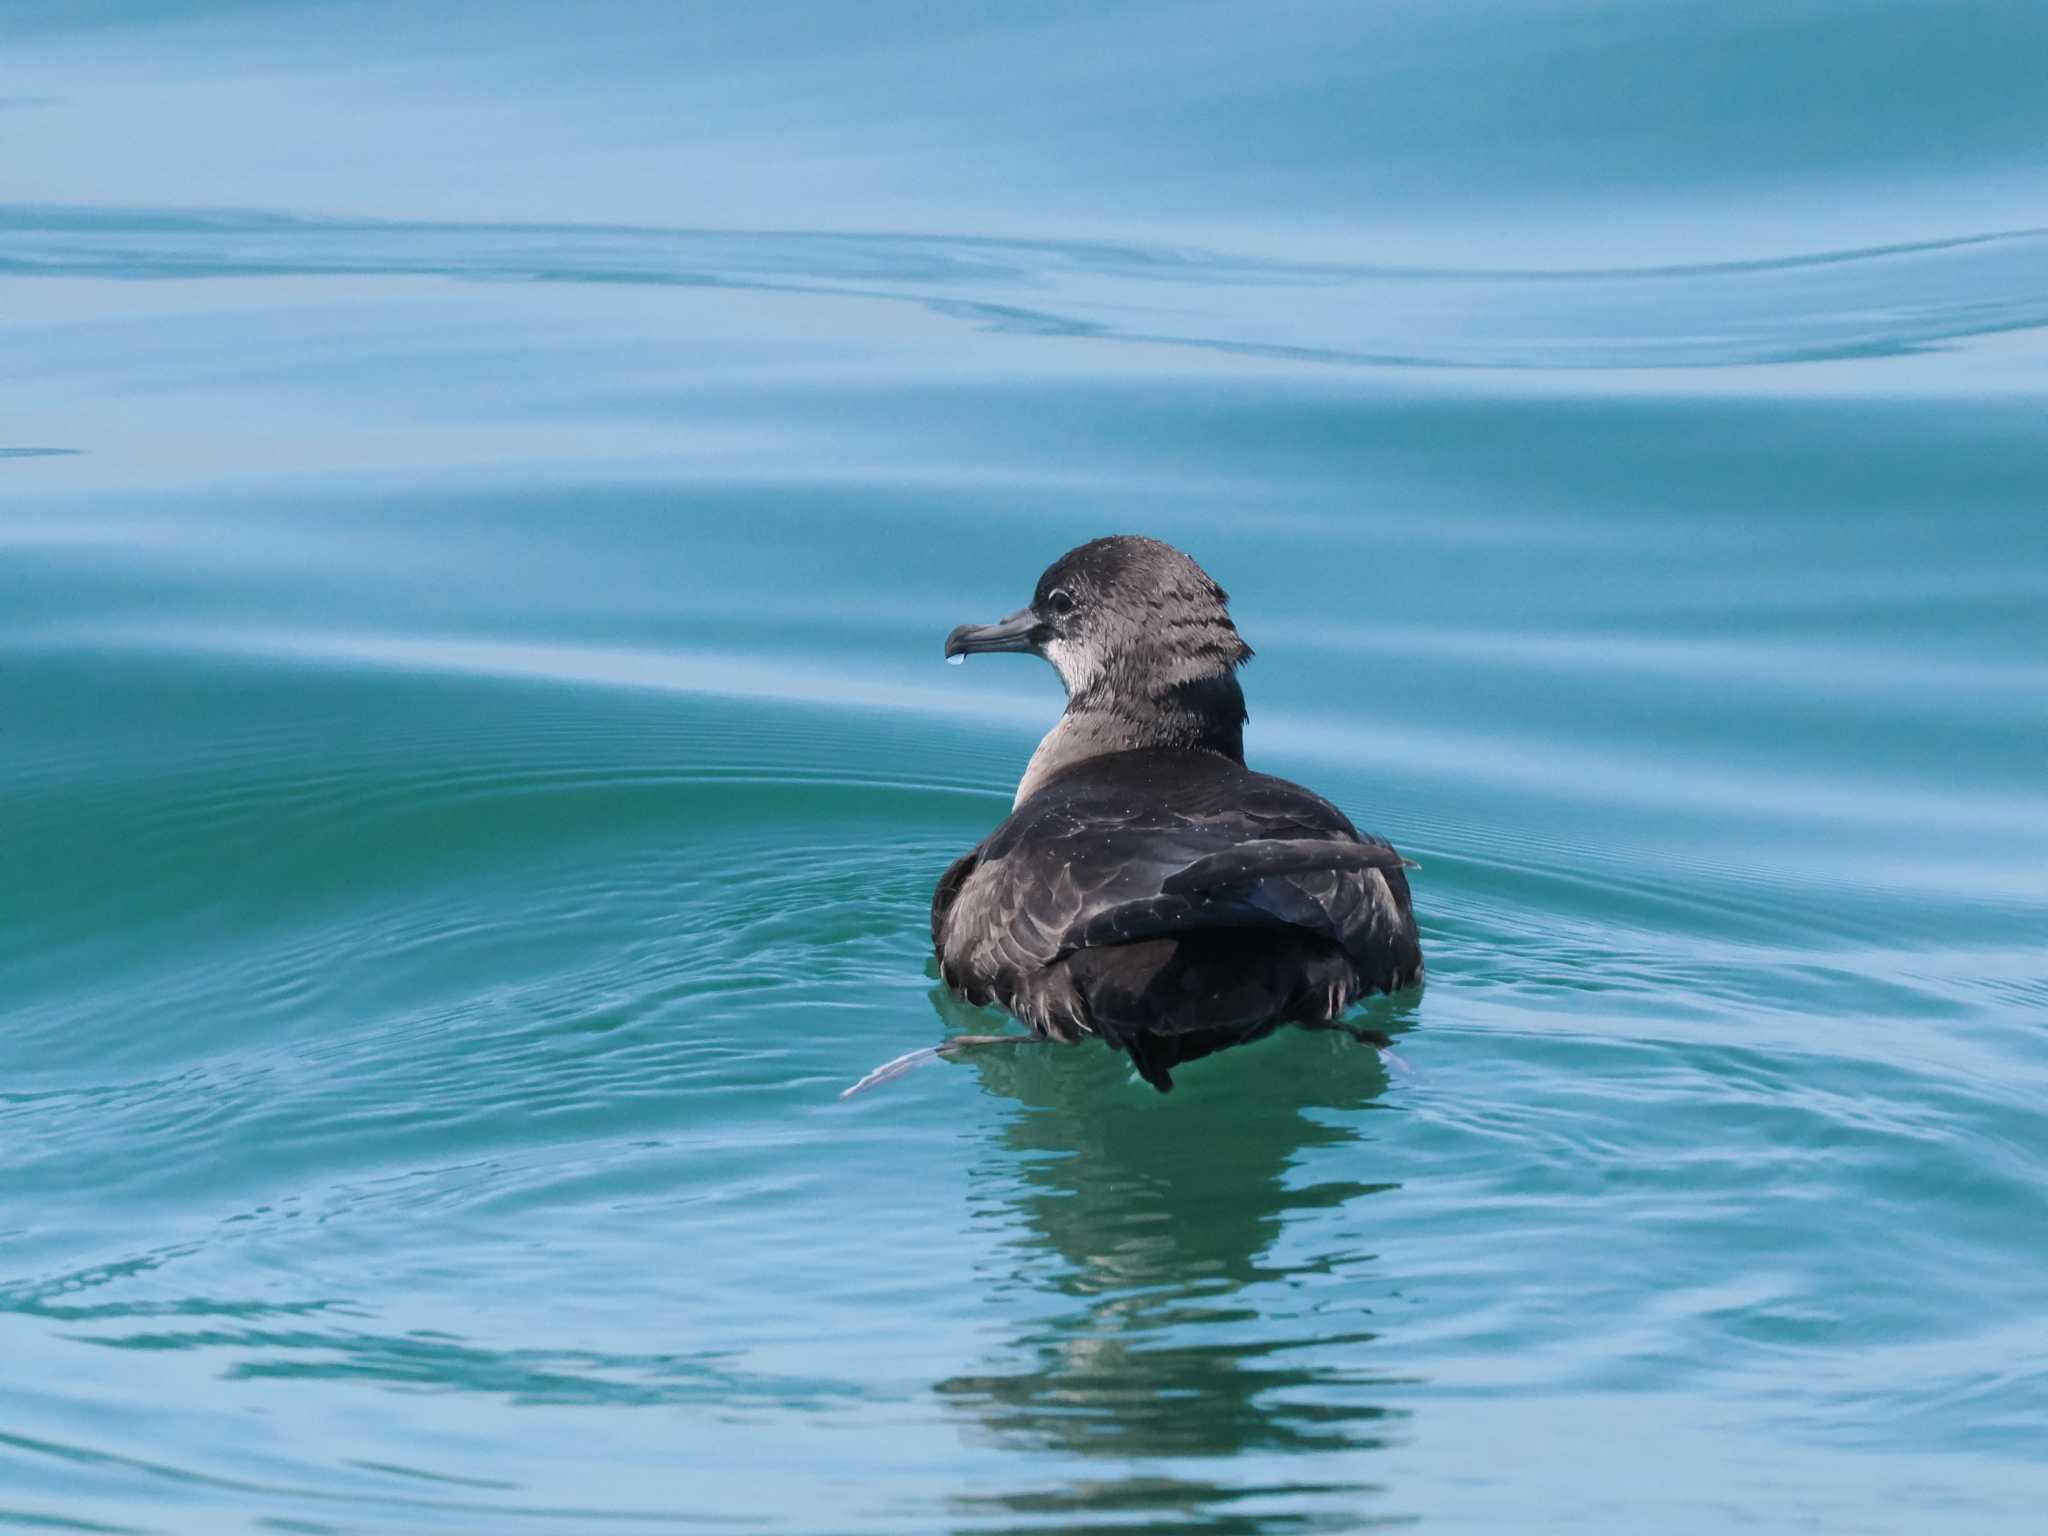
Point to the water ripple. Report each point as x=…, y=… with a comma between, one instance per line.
x=1869, y=302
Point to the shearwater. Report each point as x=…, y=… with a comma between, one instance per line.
x=1148, y=889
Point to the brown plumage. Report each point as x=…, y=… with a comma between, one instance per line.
x=1148, y=888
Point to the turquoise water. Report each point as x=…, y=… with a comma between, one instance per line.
x=482, y=490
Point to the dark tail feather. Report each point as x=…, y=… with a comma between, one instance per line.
x=1151, y=1055
x=1165, y=1002
x=1155, y=1055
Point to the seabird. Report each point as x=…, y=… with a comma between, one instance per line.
x=1148, y=888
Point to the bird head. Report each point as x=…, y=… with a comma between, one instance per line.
x=1125, y=617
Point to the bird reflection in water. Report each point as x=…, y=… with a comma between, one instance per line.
x=1189, y=1324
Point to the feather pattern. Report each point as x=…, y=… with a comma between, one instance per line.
x=1147, y=887
x=1132, y=848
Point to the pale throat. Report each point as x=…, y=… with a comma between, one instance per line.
x=1072, y=740
x=1204, y=713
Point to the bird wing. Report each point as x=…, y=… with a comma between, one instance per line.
x=948, y=890
x=1261, y=858
x=1349, y=892
x=1147, y=844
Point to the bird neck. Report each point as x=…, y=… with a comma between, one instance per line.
x=1206, y=714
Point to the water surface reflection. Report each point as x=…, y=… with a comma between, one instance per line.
x=1186, y=1327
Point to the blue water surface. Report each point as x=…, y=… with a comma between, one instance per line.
x=482, y=490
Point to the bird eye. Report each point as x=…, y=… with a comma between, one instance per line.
x=1060, y=600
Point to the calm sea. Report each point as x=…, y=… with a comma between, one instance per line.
x=482, y=490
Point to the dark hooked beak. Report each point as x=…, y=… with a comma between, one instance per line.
x=1018, y=632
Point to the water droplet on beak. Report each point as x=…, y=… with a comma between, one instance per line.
x=954, y=661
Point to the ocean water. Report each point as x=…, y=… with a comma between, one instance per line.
x=482, y=490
